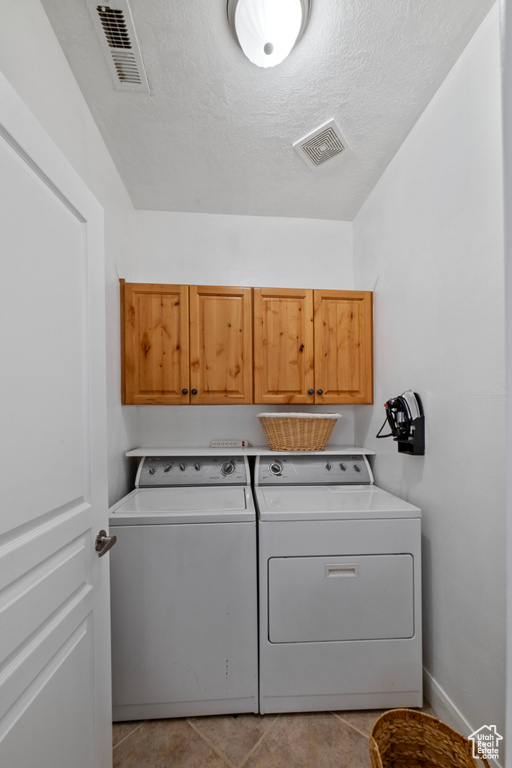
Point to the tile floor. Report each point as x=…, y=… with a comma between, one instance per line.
x=313, y=740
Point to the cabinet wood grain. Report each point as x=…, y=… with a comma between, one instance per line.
x=343, y=346
x=155, y=347
x=210, y=344
x=220, y=345
x=283, y=346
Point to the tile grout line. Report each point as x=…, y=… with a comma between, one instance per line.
x=367, y=735
x=350, y=725
x=128, y=735
x=260, y=741
x=210, y=743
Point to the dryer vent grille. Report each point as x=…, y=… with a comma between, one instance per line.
x=116, y=32
x=321, y=145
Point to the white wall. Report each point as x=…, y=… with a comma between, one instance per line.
x=213, y=249
x=506, y=36
x=33, y=62
x=210, y=249
x=429, y=239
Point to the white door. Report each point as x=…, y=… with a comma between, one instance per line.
x=54, y=603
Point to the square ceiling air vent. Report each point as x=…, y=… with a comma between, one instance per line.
x=321, y=145
x=114, y=26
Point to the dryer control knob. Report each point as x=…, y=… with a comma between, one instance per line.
x=357, y=468
x=183, y=467
x=152, y=470
x=197, y=466
x=328, y=467
x=343, y=467
x=276, y=468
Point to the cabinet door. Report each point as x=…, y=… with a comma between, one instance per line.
x=155, y=345
x=283, y=346
x=220, y=345
x=343, y=347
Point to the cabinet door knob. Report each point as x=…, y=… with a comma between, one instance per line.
x=184, y=391
x=311, y=391
x=194, y=391
x=319, y=391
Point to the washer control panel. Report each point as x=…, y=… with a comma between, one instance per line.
x=339, y=469
x=164, y=471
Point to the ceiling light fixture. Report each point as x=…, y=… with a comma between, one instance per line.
x=267, y=30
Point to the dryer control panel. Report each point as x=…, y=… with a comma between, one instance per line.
x=166, y=471
x=286, y=469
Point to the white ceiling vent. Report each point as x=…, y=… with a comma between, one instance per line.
x=115, y=29
x=321, y=145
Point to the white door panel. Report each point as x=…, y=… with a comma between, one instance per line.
x=54, y=631
x=41, y=305
x=67, y=736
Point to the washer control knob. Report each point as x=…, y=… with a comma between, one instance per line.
x=357, y=468
x=152, y=470
x=227, y=468
x=167, y=467
x=343, y=467
x=197, y=466
x=276, y=468
x=183, y=467
x=328, y=467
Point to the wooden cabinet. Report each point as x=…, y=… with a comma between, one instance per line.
x=186, y=345
x=155, y=353
x=312, y=346
x=194, y=344
x=220, y=345
x=283, y=346
x=343, y=347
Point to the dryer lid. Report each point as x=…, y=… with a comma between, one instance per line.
x=330, y=502
x=146, y=506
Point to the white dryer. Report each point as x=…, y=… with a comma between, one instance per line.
x=184, y=590
x=340, y=587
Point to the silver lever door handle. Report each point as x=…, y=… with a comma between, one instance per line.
x=104, y=543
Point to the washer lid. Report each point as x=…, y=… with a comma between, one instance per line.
x=331, y=502
x=150, y=506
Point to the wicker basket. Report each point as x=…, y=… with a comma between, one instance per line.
x=298, y=431
x=404, y=738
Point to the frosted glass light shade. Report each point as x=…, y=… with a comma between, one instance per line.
x=267, y=30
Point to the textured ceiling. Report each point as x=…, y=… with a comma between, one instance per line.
x=215, y=134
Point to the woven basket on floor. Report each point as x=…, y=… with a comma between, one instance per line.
x=298, y=431
x=403, y=738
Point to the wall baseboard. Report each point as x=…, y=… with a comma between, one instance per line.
x=447, y=711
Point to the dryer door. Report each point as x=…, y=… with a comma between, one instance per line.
x=357, y=597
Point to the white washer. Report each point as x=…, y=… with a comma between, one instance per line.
x=340, y=587
x=184, y=591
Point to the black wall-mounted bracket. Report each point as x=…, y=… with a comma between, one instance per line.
x=414, y=444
